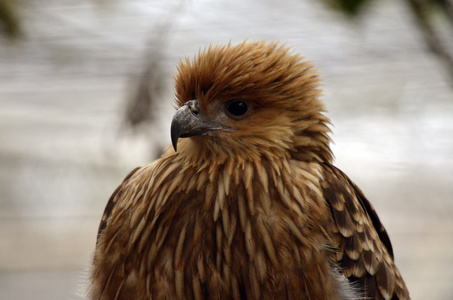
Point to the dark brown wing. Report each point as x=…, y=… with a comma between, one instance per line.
x=112, y=202
x=364, y=252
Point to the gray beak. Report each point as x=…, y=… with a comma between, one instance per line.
x=188, y=121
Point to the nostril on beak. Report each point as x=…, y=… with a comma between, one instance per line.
x=193, y=106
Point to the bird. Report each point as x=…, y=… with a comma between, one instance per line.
x=247, y=204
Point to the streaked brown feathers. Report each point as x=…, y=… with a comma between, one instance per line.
x=364, y=250
x=256, y=211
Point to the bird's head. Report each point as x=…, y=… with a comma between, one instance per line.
x=250, y=100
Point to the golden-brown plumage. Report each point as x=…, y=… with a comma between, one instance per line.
x=249, y=206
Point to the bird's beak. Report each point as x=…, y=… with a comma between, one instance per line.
x=188, y=121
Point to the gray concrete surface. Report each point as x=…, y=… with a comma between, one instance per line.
x=63, y=88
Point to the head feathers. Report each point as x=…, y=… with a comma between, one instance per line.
x=281, y=87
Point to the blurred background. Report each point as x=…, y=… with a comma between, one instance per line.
x=86, y=95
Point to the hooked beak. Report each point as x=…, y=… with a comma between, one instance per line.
x=188, y=121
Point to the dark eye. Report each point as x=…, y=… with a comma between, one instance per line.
x=237, y=108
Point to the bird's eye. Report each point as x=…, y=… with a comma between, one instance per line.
x=237, y=108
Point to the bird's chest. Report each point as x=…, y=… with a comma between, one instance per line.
x=249, y=235
x=237, y=249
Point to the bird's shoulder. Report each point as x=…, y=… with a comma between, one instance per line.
x=362, y=246
x=125, y=195
x=112, y=202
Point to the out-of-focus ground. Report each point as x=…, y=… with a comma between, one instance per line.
x=63, y=88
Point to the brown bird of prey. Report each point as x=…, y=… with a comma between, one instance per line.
x=247, y=203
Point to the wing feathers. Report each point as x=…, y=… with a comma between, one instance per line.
x=385, y=278
x=364, y=251
x=344, y=222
